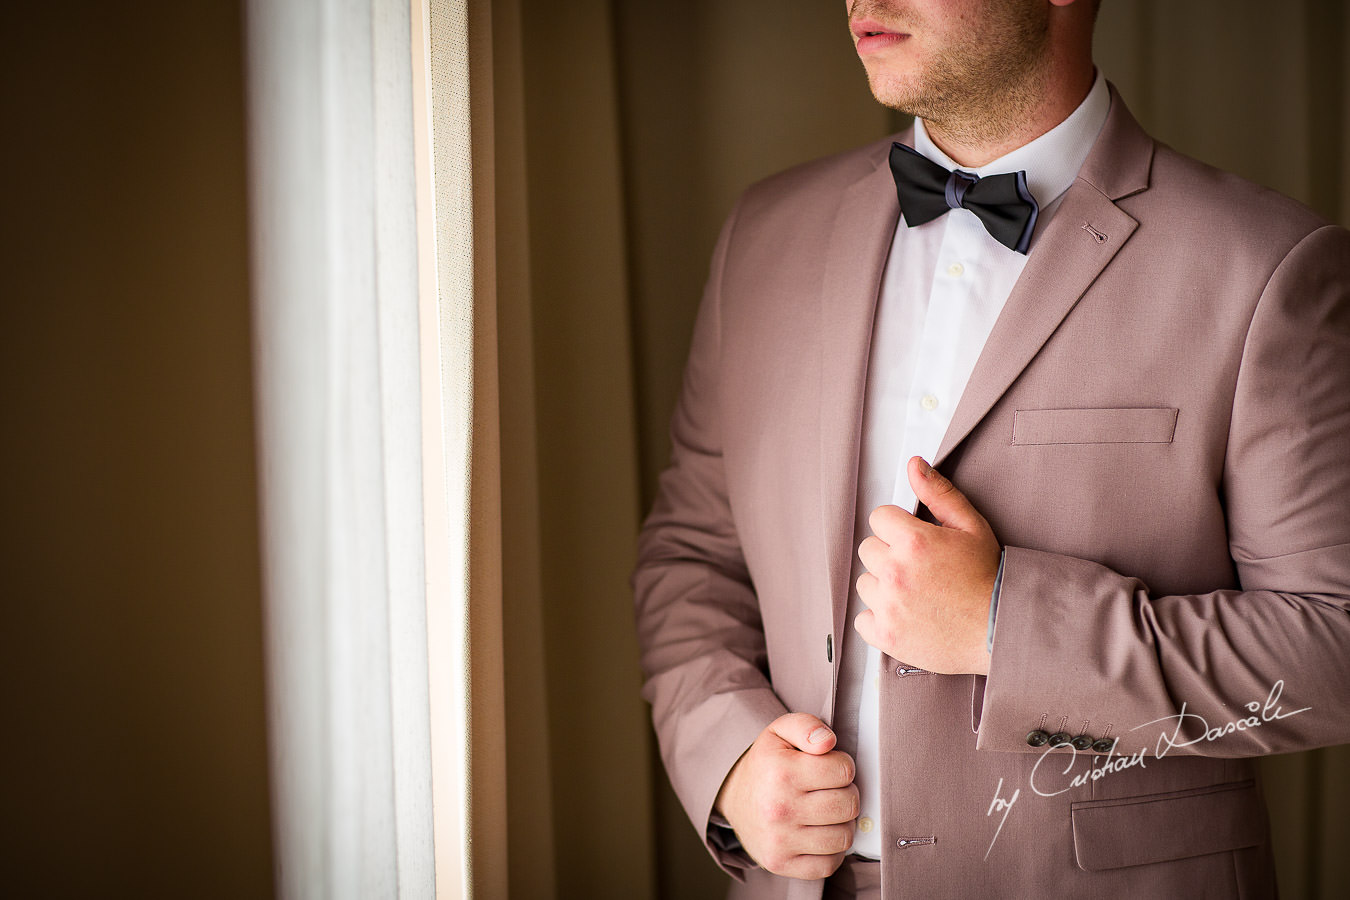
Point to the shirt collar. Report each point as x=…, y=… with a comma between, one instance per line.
x=1052, y=160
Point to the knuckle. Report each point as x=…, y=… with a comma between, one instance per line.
x=854, y=805
x=843, y=839
x=811, y=868
x=914, y=542
x=775, y=812
x=891, y=571
x=776, y=856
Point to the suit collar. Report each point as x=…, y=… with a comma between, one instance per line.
x=1121, y=160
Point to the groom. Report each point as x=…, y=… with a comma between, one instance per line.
x=1025, y=437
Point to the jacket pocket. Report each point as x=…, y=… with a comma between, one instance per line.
x=1134, y=831
x=1094, y=426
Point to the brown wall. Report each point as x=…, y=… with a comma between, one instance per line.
x=131, y=637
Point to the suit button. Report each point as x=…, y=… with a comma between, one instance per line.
x=1037, y=738
x=1060, y=738
x=1104, y=745
x=1082, y=742
x=829, y=648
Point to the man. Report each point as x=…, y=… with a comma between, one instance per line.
x=1044, y=662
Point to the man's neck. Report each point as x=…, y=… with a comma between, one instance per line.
x=971, y=143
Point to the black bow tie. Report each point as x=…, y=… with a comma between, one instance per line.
x=927, y=190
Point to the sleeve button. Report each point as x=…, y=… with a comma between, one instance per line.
x=1037, y=738
x=1082, y=742
x=1060, y=738
x=1104, y=745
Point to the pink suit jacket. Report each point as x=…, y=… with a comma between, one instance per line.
x=1158, y=430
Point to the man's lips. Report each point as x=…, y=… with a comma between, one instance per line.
x=871, y=35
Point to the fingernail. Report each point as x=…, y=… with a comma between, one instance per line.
x=925, y=468
x=819, y=736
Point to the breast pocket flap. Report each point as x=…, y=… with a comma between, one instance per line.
x=1094, y=426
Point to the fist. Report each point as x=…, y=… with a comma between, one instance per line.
x=791, y=799
x=927, y=587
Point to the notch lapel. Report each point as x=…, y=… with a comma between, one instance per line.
x=854, y=262
x=1082, y=237
x=1058, y=273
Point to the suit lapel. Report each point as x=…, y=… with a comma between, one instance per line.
x=1067, y=259
x=859, y=243
x=1059, y=272
x=1082, y=237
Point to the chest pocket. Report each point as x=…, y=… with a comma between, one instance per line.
x=1094, y=426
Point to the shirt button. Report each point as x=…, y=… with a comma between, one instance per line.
x=865, y=825
x=956, y=270
x=929, y=402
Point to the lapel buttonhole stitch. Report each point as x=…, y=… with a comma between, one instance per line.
x=1096, y=235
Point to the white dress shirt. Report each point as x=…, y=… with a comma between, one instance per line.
x=944, y=286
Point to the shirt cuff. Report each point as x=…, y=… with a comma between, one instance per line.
x=993, y=604
x=723, y=837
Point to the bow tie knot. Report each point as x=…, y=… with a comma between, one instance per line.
x=1002, y=203
x=958, y=183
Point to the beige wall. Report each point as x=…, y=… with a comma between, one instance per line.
x=131, y=640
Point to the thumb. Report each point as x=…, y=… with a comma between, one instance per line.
x=804, y=732
x=948, y=505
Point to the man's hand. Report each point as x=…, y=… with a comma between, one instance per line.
x=791, y=799
x=927, y=587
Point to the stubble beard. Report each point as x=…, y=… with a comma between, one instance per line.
x=977, y=92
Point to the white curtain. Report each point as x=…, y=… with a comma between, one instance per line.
x=335, y=287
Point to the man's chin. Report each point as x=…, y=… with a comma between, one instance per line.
x=892, y=92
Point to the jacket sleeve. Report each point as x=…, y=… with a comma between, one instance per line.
x=1221, y=674
x=698, y=621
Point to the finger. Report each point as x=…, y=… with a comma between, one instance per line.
x=866, y=584
x=804, y=732
x=837, y=806
x=865, y=623
x=808, y=867
x=822, y=840
x=829, y=771
x=888, y=521
x=872, y=552
x=948, y=505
